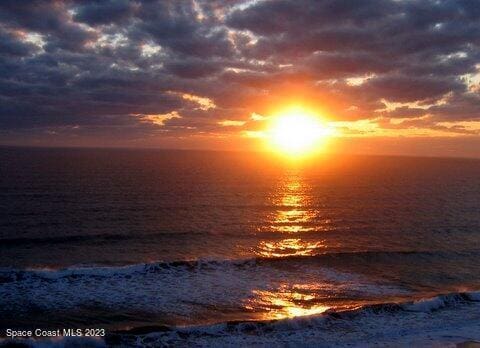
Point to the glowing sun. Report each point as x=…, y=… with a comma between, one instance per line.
x=297, y=132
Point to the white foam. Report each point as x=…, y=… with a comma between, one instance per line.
x=425, y=305
x=441, y=301
x=179, y=289
x=447, y=325
x=473, y=295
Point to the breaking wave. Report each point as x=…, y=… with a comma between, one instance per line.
x=11, y=274
x=390, y=323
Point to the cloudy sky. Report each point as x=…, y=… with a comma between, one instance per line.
x=390, y=75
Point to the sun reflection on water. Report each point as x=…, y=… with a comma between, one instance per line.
x=292, y=200
x=295, y=213
x=288, y=247
x=296, y=210
x=285, y=303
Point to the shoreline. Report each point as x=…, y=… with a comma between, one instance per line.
x=444, y=320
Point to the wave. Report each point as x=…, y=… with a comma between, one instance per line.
x=445, y=313
x=206, y=264
x=182, y=291
x=423, y=305
x=441, y=320
x=181, y=288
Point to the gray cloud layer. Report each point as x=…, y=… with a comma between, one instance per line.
x=100, y=64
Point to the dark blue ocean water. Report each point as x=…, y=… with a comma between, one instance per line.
x=123, y=238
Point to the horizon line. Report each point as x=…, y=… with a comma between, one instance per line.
x=66, y=147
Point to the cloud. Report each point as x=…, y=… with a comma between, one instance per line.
x=104, y=12
x=97, y=63
x=192, y=68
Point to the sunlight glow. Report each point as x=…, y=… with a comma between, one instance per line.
x=297, y=132
x=287, y=302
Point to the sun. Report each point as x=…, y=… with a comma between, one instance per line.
x=297, y=132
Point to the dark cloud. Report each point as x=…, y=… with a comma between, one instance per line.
x=49, y=18
x=103, y=63
x=181, y=27
x=13, y=46
x=459, y=107
x=103, y=12
x=193, y=68
x=410, y=88
x=404, y=112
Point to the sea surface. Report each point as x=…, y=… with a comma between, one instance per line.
x=122, y=239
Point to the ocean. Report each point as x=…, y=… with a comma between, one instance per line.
x=193, y=245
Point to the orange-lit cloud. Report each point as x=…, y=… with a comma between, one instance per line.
x=193, y=72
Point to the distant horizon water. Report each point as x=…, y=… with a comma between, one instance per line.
x=269, y=152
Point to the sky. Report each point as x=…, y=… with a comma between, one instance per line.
x=390, y=76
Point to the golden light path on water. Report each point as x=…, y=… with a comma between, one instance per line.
x=293, y=216
x=286, y=303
